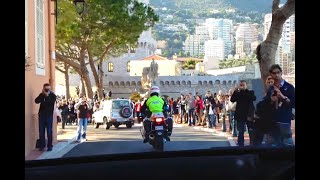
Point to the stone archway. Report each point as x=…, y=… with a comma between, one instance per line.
x=189, y=83
x=205, y=83
x=161, y=83
x=172, y=83
x=133, y=83
x=116, y=83
x=128, y=84
x=217, y=82
x=110, y=83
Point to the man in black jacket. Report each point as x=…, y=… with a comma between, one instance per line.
x=209, y=103
x=244, y=99
x=47, y=101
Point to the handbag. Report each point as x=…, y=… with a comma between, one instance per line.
x=58, y=119
x=38, y=145
x=232, y=106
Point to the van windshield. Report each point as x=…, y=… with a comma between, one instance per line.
x=119, y=104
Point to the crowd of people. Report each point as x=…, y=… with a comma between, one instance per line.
x=76, y=111
x=270, y=119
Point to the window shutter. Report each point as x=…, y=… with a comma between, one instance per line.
x=40, y=28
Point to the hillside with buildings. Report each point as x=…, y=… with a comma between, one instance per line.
x=179, y=18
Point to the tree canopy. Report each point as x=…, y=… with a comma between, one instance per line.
x=107, y=27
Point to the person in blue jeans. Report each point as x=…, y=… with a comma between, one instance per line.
x=210, y=105
x=230, y=108
x=244, y=99
x=47, y=100
x=83, y=108
x=191, y=107
x=285, y=92
x=211, y=117
x=233, y=124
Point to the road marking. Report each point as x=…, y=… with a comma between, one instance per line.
x=214, y=132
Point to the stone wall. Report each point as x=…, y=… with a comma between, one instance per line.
x=172, y=85
x=124, y=85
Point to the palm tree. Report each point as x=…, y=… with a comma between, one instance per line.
x=230, y=63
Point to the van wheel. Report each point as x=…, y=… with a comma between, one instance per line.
x=129, y=125
x=96, y=125
x=116, y=125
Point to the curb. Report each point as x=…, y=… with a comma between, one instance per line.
x=58, y=150
x=224, y=134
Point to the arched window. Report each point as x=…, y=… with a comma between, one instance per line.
x=110, y=67
x=128, y=66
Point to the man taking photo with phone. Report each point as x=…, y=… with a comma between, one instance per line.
x=244, y=99
x=83, y=106
x=47, y=100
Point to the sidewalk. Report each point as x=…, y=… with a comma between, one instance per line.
x=64, y=139
x=233, y=140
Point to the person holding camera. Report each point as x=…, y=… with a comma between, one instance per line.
x=83, y=107
x=191, y=108
x=199, y=110
x=230, y=109
x=285, y=93
x=63, y=106
x=183, y=115
x=264, y=117
x=244, y=99
x=47, y=100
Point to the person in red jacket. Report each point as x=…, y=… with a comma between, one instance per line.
x=138, y=111
x=199, y=110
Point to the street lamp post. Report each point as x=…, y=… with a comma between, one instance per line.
x=80, y=7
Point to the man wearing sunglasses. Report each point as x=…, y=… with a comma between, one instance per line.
x=244, y=98
x=286, y=101
x=47, y=100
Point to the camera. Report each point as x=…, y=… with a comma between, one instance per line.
x=274, y=93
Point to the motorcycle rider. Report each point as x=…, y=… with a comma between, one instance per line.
x=155, y=104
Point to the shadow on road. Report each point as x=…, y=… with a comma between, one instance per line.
x=134, y=146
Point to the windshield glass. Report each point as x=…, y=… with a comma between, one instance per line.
x=119, y=104
x=109, y=67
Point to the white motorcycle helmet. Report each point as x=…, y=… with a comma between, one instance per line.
x=155, y=89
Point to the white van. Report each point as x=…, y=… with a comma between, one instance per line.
x=114, y=112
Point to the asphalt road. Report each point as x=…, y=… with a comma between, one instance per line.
x=123, y=140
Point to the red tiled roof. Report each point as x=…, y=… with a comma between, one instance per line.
x=154, y=57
